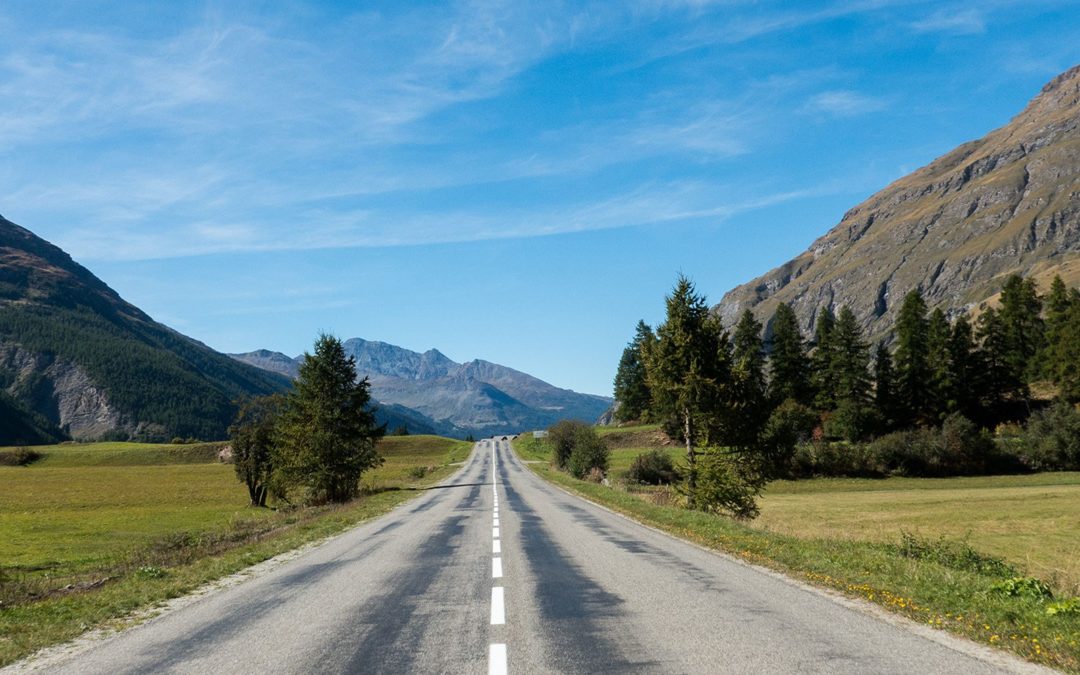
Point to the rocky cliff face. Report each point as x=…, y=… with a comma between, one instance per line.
x=1006, y=203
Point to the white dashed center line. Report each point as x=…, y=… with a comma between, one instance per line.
x=498, y=609
x=497, y=660
x=496, y=546
x=496, y=568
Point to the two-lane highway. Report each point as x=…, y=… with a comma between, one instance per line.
x=497, y=571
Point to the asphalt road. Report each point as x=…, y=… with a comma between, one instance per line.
x=518, y=576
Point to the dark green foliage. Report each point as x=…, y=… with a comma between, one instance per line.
x=790, y=424
x=652, y=468
x=1051, y=441
x=21, y=425
x=726, y=484
x=942, y=398
x=1023, y=587
x=327, y=431
x=1024, y=333
x=997, y=380
x=965, y=369
x=822, y=374
x=912, y=367
x=747, y=398
x=631, y=387
x=588, y=454
x=252, y=436
x=885, y=396
x=833, y=459
x=789, y=367
x=562, y=436
x=957, y=555
x=854, y=417
x=959, y=448
x=1061, y=359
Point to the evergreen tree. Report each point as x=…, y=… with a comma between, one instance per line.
x=687, y=368
x=1066, y=355
x=788, y=364
x=885, y=387
x=912, y=369
x=328, y=431
x=965, y=368
x=821, y=358
x=850, y=371
x=749, y=401
x=942, y=400
x=1024, y=330
x=1058, y=303
x=997, y=378
x=631, y=387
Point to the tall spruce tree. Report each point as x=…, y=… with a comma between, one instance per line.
x=1021, y=310
x=327, y=431
x=998, y=378
x=942, y=399
x=850, y=371
x=821, y=359
x=1066, y=353
x=631, y=388
x=912, y=368
x=749, y=397
x=885, y=388
x=688, y=369
x=966, y=369
x=789, y=367
x=1058, y=303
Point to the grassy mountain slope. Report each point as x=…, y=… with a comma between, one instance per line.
x=1006, y=203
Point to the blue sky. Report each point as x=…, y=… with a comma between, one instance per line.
x=513, y=181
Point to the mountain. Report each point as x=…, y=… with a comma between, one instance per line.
x=78, y=359
x=478, y=397
x=956, y=228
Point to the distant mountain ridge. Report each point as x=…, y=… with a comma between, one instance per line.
x=477, y=397
x=956, y=228
x=77, y=360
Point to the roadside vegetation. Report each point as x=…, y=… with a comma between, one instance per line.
x=91, y=533
x=989, y=558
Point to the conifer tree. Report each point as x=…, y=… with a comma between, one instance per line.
x=789, y=367
x=631, y=387
x=1024, y=330
x=965, y=368
x=821, y=358
x=885, y=387
x=941, y=400
x=850, y=372
x=749, y=402
x=327, y=433
x=687, y=369
x=912, y=368
x=1058, y=302
x=1066, y=355
x=997, y=376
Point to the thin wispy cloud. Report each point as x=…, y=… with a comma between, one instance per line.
x=844, y=103
x=960, y=22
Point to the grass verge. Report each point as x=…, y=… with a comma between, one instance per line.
x=941, y=583
x=87, y=540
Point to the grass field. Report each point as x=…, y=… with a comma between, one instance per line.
x=91, y=532
x=844, y=534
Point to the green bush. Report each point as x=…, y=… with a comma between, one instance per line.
x=791, y=424
x=561, y=437
x=852, y=422
x=20, y=456
x=652, y=468
x=1023, y=587
x=1051, y=441
x=725, y=485
x=588, y=453
x=824, y=458
x=1067, y=607
x=957, y=555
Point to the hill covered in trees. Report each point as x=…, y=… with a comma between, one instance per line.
x=955, y=229
x=77, y=360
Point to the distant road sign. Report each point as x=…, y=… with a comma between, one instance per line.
x=539, y=434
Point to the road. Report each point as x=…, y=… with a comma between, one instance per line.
x=497, y=571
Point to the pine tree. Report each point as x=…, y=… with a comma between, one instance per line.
x=327, y=433
x=687, y=368
x=1024, y=330
x=1058, y=303
x=942, y=400
x=631, y=387
x=1066, y=364
x=885, y=387
x=998, y=377
x=788, y=365
x=912, y=369
x=750, y=409
x=252, y=437
x=965, y=368
x=849, y=367
x=821, y=358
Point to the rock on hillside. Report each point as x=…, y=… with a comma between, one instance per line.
x=1006, y=203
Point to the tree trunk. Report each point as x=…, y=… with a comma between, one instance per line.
x=691, y=460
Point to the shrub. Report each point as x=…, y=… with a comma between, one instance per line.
x=789, y=425
x=562, y=437
x=652, y=468
x=957, y=555
x=960, y=447
x=1023, y=587
x=1051, y=441
x=21, y=456
x=824, y=458
x=588, y=452
x=1067, y=607
x=852, y=421
x=724, y=485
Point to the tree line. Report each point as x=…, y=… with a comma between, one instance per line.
x=741, y=402
x=315, y=442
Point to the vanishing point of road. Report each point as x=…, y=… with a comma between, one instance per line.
x=496, y=571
